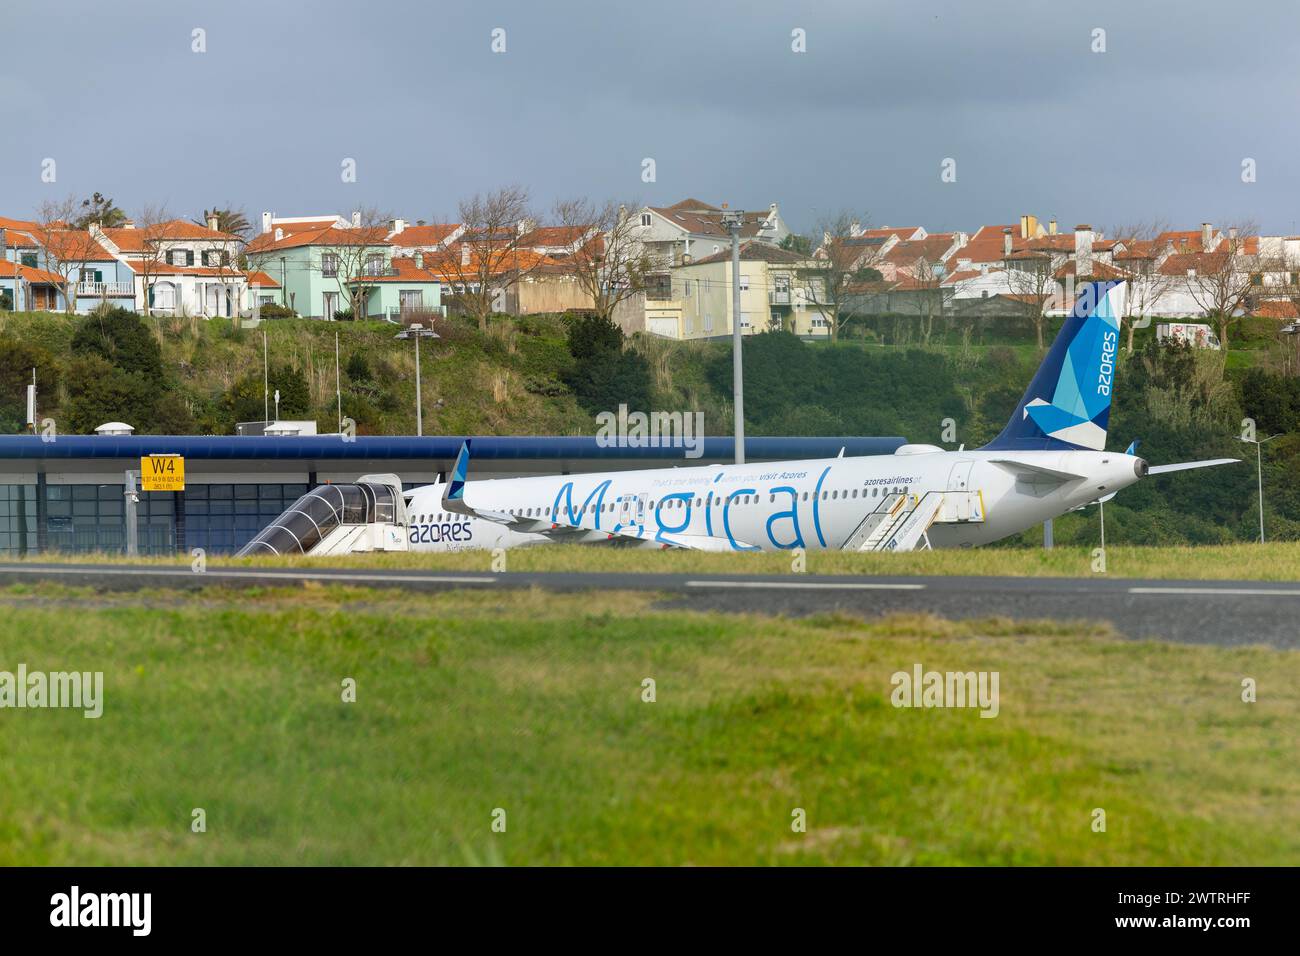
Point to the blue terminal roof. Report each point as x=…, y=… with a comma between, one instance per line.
x=410, y=448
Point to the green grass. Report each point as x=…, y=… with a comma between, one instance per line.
x=1278, y=561
x=467, y=702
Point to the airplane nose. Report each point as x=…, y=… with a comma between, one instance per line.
x=1140, y=467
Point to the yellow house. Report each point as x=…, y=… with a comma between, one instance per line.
x=779, y=289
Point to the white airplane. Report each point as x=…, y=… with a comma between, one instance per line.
x=1049, y=460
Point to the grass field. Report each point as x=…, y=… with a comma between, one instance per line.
x=467, y=702
x=1271, y=562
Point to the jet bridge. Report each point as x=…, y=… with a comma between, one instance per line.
x=367, y=515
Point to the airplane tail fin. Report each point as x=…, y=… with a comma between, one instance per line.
x=1067, y=405
x=454, y=491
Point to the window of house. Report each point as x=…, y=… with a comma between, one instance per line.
x=645, y=219
x=744, y=282
x=374, y=264
x=29, y=259
x=411, y=300
x=708, y=323
x=329, y=264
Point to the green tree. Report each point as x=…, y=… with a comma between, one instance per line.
x=245, y=400
x=604, y=374
x=99, y=392
x=99, y=209
x=17, y=359
x=123, y=340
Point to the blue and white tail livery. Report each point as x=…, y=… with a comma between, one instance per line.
x=1050, y=459
x=1067, y=405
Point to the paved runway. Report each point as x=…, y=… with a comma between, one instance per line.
x=1206, y=612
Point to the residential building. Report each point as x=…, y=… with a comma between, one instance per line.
x=320, y=262
x=692, y=229
x=779, y=289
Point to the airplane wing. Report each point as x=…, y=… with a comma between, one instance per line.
x=1187, y=465
x=453, y=500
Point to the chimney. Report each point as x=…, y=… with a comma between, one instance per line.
x=128, y=224
x=1232, y=235
x=1006, y=242
x=212, y=222
x=1051, y=227
x=356, y=219
x=1083, y=250
x=1024, y=227
x=464, y=254
x=397, y=226
x=1207, y=232
x=266, y=222
x=279, y=233
x=855, y=229
x=419, y=259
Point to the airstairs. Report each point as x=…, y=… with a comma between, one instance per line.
x=901, y=521
x=368, y=515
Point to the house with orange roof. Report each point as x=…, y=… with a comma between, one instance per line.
x=693, y=229
x=324, y=266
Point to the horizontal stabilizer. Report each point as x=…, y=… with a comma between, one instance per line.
x=1037, y=472
x=1187, y=465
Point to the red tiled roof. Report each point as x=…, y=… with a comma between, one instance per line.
x=931, y=249
x=757, y=252
x=433, y=235
x=322, y=236
x=134, y=240
x=74, y=245
x=555, y=235
x=1204, y=263
x=1100, y=270
x=261, y=279
x=1277, y=309
x=29, y=274
x=446, y=264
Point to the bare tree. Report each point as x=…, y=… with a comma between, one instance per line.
x=1147, y=284
x=151, y=222
x=843, y=261
x=933, y=297
x=1031, y=278
x=492, y=254
x=66, y=250
x=1225, y=279
x=610, y=262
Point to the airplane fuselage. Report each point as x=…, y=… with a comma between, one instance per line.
x=814, y=504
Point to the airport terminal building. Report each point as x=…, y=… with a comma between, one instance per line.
x=68, y=493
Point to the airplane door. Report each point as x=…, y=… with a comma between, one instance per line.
x=959, y=477
x=641, y=501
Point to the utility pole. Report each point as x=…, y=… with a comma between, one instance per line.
x=266, y=393
x=338, y=384
x=417, y=331
x=1259, y=472
x=733, y=219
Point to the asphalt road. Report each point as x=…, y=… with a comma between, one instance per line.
x=1201, y=612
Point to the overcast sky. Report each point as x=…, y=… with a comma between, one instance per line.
x=1157, y=126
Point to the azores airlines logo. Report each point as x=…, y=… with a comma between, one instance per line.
x=1080, y=407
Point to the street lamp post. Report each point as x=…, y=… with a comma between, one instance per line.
x=417, y=331
x=1259, y=472
x=733, y=219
